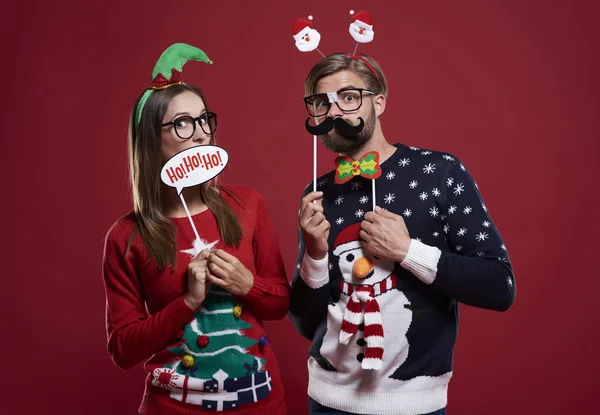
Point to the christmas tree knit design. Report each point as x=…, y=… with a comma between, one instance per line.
x=213, y=368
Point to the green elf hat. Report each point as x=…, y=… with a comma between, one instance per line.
x=167, y=71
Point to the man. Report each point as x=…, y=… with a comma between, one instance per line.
x=377, y=290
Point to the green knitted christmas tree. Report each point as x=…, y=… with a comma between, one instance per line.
x=214, y=341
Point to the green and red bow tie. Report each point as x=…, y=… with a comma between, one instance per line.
x=367, y=166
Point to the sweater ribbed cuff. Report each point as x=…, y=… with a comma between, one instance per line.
x=314, y=272
x=422, y=261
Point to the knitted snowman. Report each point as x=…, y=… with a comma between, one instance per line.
x=366, y=328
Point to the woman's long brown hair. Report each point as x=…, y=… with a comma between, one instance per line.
x=145, y=163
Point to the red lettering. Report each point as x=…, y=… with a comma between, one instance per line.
x=220, y=159
x=215, y=159
x=188, y=164
x=171, y=175
x=180, y=173
x=207, y=162
x=195, y=161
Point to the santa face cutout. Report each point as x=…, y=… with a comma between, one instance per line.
x=361, y=32
x=307, y=39
x=359, y=268
x=361, y=28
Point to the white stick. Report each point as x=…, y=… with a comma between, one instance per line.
x=314, y=163
x=189, y=216
x=320, y=52
x=373, y=186
x=355, y=47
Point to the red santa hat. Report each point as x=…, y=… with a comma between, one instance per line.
x=363, y=17
x=348, y=238
x=301, y=24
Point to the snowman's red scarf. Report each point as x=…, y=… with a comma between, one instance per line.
x=354, y=316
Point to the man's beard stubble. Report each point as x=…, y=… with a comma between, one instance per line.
x=338, y=144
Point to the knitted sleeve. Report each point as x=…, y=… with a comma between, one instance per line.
x=477, y=270
x=133, y=335
x=269, y=297
x=310, y=290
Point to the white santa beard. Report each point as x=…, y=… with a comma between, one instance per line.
x=312, y=44
x=365, y=37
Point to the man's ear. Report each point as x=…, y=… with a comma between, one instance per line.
x=379, y=101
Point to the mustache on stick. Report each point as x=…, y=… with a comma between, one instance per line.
x=344, y=128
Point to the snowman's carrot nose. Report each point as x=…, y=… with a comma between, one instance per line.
x=362, y=267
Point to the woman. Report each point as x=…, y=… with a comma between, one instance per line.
x=195, y=320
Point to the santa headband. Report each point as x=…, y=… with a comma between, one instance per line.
x=168, y=71
x=361, y=29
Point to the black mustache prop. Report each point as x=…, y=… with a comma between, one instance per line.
x=345, y=129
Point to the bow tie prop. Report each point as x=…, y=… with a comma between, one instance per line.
x=367, y=166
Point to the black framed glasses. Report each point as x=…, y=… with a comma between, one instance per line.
x=347, y=100
x=185, y=127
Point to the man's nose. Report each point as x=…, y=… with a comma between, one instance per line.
x=334, y=111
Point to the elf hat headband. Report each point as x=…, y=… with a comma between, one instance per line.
x=168, y=71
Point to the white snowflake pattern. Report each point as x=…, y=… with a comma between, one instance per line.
x=458, y=248
x=359, y=213
x=339, y=200
x=390, y=175
x=459, y=189
x=509, y=281
x=339, y=220
x=389, y=198
x=407, y=212
x=436, y=192
x=435, y=234
x=503, y=247
x=330, y=266
x=434, y=212
x=452, y=209
x=443, y=217
x=429, y=168
x=298, y=265
x=480, y=253
x=423, y=196
x=414, y=148
x=481, y=236
x=462, y=167
x=449, y=181
x=447, y=157
x=484, y=207
x=419, y=239
x=363, y=199
x=475, y=183
x=486, y=224
x=413, y=184
x=467, y=210
x=446, y=228
x=426, y=153
x=321, y=182
x=355, y=185
x=462, y=232
x=404, y=162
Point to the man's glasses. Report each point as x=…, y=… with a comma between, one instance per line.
x=347, y=100
x=185, y=126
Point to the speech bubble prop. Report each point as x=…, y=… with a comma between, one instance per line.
x=194, y=166
x=189, y=168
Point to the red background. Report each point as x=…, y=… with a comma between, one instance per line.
x=510, y=87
